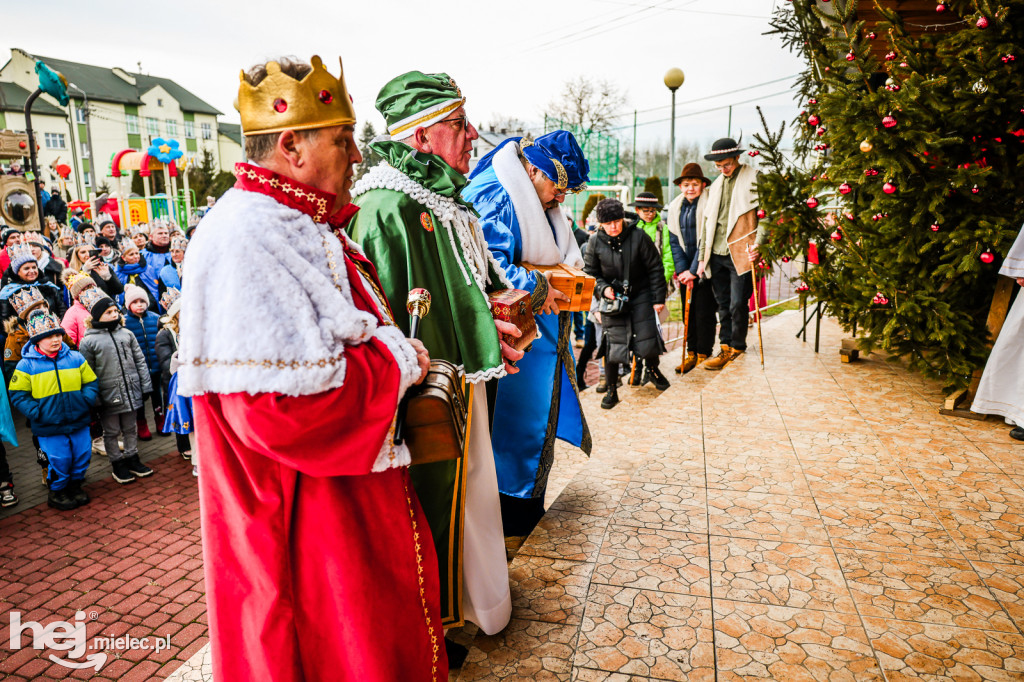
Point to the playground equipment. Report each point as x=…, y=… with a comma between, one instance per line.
x=161, y=155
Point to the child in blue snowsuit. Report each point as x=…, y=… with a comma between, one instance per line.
x=55, y=388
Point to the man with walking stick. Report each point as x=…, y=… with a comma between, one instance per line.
x=685, y=213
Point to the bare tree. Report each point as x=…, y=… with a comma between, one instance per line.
x=588, y=105
x=511, y=124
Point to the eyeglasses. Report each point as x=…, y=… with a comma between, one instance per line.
x=461, y=122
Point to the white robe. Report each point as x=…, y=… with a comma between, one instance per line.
x=1002, y=384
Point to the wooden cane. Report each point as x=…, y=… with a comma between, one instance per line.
x=686, y=328
x=757, y=313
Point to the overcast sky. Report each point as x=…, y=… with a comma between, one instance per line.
x=510, y=59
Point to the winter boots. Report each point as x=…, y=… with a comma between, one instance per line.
x=611, y=397
x=692, y=360
x=654, y=374
x=76, y=493
x=137, y=468
x=59, y=499
x=722, y=359
x=7, y=496
x=120, y=471
x=144, y=433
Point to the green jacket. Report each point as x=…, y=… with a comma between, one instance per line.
x=658, y=232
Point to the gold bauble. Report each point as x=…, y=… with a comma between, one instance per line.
x=866, y=146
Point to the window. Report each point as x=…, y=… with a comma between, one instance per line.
x=207, y=131
x=172, y=127
x=159, y=102
x=55, y=141
x=80, y=114
x=132, y=121
x=152, y=126
x=190, y=130
x=85, y=150
x=87, y=178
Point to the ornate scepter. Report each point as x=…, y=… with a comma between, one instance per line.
x=418, y=305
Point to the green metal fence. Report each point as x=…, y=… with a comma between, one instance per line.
x=601, y=150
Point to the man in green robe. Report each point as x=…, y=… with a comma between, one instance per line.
x=419, y=232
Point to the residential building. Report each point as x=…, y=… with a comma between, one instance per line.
x=125, y=111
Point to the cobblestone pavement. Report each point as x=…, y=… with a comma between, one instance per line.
x=808, y=521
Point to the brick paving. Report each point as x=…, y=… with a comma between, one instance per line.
x=810, y=521
x=130, y=561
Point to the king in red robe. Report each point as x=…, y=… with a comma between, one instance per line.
x=318, y=559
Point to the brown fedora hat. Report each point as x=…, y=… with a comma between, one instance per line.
x=691, y=171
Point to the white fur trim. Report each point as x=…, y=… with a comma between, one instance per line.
x=540, y=246
x=262, y=309
x=404, y=354
x=464, y=232
x=391, y=456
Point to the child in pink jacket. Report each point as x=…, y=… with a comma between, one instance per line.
x=74, y=319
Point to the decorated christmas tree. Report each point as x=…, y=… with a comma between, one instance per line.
x=907, y=172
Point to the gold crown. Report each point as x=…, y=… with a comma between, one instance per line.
x=280, y=102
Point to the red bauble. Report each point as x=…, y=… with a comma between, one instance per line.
x=813, y=120
x=836, y=236
x=889, y=121
x=889, y=188
x=812, y=202
x=872, y=35
x=880, y=299
x=785, y=259
x=982, y=22
x=889, y=56
x=934, y=227
x=761, y=214
x=754, y=153
x=850, y=56
x=975, y=190
x=848, y=216
x=802, y=287
x=812, y=101
x=987, y=257
x=941, y=7
x=845, y=188
x=820, y=131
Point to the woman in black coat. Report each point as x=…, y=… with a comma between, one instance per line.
x=635, y=330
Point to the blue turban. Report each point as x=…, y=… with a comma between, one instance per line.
x=556, y=154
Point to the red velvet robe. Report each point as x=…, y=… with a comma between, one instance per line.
x=316, y=568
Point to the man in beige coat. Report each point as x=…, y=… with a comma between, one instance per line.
x=729, y=235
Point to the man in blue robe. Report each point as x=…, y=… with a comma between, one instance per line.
x=518, y=189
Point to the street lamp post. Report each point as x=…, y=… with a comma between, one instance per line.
x=673, y=79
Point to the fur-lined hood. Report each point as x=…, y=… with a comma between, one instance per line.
x=90, y=329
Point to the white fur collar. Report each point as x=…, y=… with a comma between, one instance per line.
x=540, y=245
x=267, y=307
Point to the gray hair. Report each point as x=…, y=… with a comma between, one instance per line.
x=259, y=147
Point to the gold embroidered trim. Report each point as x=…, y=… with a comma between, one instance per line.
x=444, y=110
x=272, y=364
x=419, y=576
x=563, y=177
x=288, y=188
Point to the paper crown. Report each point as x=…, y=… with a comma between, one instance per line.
x=91, y=296
x=20, y=254
x=179, y=243
x=85, y=239
x=126, y=244
x=41, y=325
x=280, y=102
x=67, y=232
x=26, y=300
x=169, y=297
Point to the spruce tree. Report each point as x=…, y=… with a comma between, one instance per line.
x=370, y=158
x=908, y=172
x=653, y=185
x=589, y=205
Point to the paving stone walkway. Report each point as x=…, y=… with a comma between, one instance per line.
x=808, y=521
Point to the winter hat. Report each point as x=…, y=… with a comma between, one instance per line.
x=6, y=234
x=692, y=171
x=76, y=282
x=20, y=254
x=86, y=226
x=417, y=100
x=169, y=298
x=647, y=200
x=608, y=210
x=103, y=241
x=27, y=299
x=723, y=149
x=132, y=293
x=41, y=325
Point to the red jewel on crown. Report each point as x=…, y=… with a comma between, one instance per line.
x=280, y=106
x=326, y=97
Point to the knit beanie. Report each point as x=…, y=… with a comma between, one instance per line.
x=608, y=210
x=76, y=282
x=20, y=254
x=96, y=302
x=132, y=293
x=6, y=234
x=42, y=324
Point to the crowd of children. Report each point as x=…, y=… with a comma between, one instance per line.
x=90, y=328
